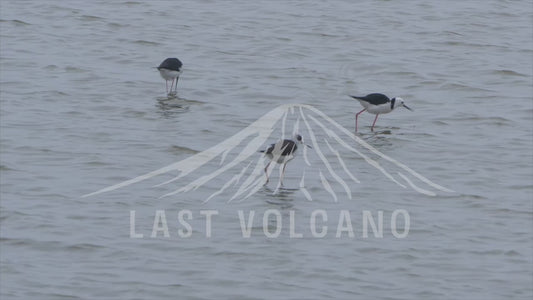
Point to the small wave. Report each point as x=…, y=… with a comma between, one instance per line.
x=116, y=25
x=464, y=87
x=83, y=247
x=16, y=22
x=509, y=73
x=5, y=168
x=143, y=42
x=181, y=149
x=90, y=18
x=71, y=69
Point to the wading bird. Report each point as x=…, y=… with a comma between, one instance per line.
x=282, y=152
x=378, y=104
x=170, y=69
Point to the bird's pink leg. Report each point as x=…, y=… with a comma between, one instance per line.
x=282, y=174
x=372, y=129
x=266, y=172
x=166, y=86
x=176, y=88
x=171, y=86
x=356, y=116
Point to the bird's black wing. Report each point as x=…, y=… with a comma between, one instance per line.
x=171, y=64
x=289, y=147
x=375, y=98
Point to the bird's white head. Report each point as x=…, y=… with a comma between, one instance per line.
x=300, y=140
x=397, y=102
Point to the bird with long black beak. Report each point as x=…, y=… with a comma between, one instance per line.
x=378, y=104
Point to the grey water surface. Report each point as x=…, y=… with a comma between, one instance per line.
x=83, y=108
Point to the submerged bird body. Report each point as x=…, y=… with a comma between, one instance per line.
x=170, y=69
x=282, y=152
x=378, y=104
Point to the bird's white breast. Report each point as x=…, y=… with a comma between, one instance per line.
x=363, y=103
x=169, y=74
x=379, y=109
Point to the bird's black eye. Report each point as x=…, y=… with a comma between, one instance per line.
x=299, y=137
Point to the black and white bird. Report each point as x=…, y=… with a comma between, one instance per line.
x=378, y=104
x=170, y=69
x=282, y=152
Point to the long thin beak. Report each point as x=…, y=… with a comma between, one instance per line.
x=407, y=107
x=308, y=146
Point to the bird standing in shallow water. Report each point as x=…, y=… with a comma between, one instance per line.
x=170, y=69
x=378, y=104
x=282, y=152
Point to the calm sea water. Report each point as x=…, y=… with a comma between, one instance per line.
x=82, y=108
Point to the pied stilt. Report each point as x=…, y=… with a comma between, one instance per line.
x=282, y=152
x=170, y=69
x=378, y=104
